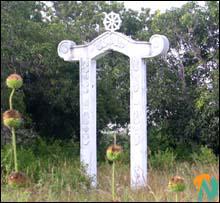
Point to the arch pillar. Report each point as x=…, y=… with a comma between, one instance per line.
x=138, y=122
x=88, y=156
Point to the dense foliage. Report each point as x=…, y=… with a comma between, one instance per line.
x=183, y=89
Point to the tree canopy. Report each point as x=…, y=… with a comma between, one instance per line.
x=183, y=88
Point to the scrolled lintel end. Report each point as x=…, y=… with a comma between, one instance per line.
x=64, y=48
x=159, y=45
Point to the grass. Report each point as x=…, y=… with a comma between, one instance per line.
x=57, y=176
x=64, y=181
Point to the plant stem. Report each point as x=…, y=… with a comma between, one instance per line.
x=176, y=197
x=114, y=139
x=13, y=133
x=10, y=99
x=14, y=148
x=113, y=181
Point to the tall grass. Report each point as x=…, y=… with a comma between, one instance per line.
x=57, y=175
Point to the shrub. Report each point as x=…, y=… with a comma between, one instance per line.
x=56, y=163
x=162, y=159
x=204, y=156
x=26, y=159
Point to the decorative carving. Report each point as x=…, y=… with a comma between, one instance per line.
x=135, y=76
x=85, y=87
x=85, y=76
x=102, y=43
x=135, y=86
x=85, y=119
x=85, y=129
x=138, y=173
x=85, y=134
x=159, y=45
x=85, y=82
x=112, y=21
x=110, y=41
x=64, y=48
x=118, y=41
x=85, y=65
x=135, y=63
x=85, y=70
x=85, y=138
x=135, y=126
x=136, y=117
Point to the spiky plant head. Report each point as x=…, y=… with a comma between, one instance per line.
x=176, y=184
x=17, y=179
x=12, y=118
x=14, y=81
x=114, y=152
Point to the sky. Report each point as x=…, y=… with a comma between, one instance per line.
x=154, y=5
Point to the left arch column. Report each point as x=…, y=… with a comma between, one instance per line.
x=88, y=117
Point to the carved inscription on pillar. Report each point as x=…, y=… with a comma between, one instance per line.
x=135, y=91
x=138, y=173
x=85, y=101
x=138, y=121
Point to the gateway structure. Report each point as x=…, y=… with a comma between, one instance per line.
x=87, y=55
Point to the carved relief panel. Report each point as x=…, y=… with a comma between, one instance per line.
x=85, y=85
x=135, y=100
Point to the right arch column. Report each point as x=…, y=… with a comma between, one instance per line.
x=138, y=122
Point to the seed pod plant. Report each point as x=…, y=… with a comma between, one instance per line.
x=14, y=81
x=113, y=154
x=12, y=119
x=176, y=184
x=17, y=179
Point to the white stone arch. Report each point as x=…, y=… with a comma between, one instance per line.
x=69, y=51
x=87, y=55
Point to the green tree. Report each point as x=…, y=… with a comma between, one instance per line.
x=183, y=98
x=186, y=75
